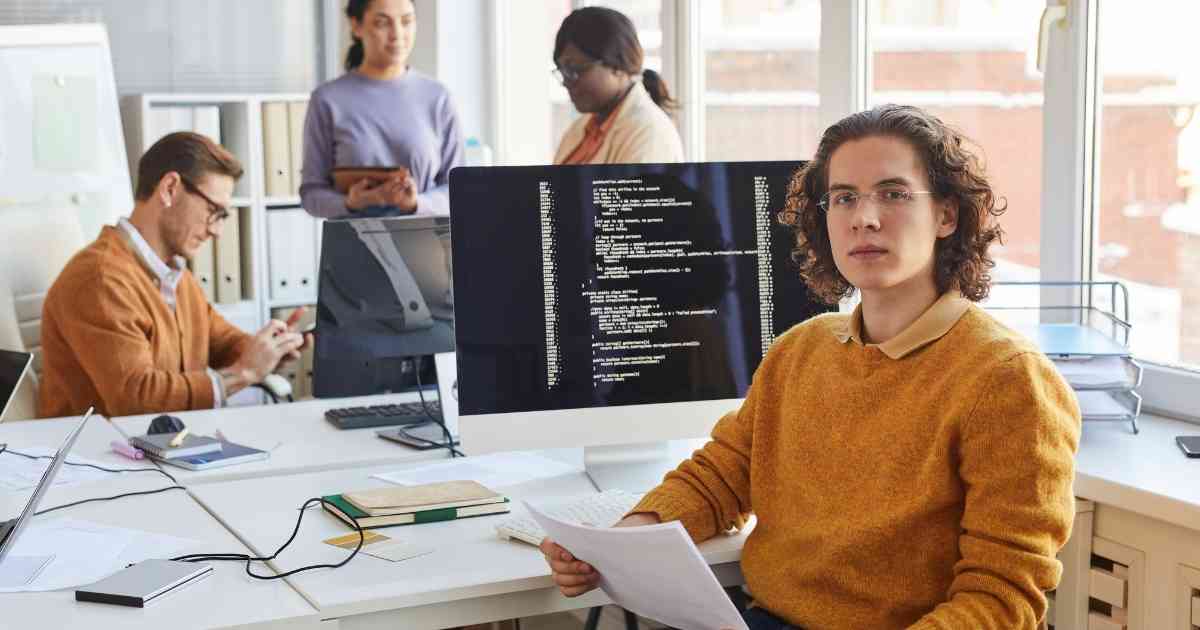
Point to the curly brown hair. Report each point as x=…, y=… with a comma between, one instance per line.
x=955, y=173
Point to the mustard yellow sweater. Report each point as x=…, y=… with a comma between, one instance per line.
x=922, y=483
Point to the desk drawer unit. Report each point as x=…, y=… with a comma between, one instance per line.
x=1187, y=613
x=1116, y=586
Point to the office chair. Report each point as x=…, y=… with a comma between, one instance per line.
x=37, y=245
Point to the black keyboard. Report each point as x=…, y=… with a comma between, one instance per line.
x=382, y=415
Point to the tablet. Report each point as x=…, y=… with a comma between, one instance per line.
x=346, y=176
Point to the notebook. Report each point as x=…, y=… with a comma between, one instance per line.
x=346, y=511
x=430, y=496
x=231, y=453
x=157, y=445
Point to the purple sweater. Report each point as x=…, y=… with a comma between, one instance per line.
x=357, y=121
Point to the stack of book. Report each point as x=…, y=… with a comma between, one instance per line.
x=405, y=505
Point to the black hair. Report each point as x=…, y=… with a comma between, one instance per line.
x=609, y=37
x=356, y=9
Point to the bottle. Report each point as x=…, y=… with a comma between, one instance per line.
x=478, y=154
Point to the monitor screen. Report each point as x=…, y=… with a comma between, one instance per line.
x=602, y=286
x=383, y=297
x=12, y=368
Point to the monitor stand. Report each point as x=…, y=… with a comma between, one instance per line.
x=634, y=468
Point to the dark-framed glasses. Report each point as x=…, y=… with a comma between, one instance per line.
x=886, y=197
x=567, y=74
x=216, y=212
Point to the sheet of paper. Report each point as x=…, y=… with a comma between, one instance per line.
x=1101, y=406
x=84, y=552
x=19, y=571
x=1095, y=372
x=654, y=571
x=380, y=546
x=494, y=471
x=19, y=473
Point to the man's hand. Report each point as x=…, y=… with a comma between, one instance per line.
x=307, y=339
x=574, y=577
x=266, y=349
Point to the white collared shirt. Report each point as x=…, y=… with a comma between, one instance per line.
x=166, y=278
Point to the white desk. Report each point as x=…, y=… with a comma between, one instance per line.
x=228, y=598
x=93, y=443
x=472, y=576
x=309, y=442
x=1144, y=473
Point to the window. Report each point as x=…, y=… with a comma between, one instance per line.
x=972, y=63
x=1148, y=206
x=761, y=69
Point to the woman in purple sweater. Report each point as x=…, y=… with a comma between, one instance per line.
x=381, y=113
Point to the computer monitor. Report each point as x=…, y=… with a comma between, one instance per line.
x=384, y=297
x=13, y=366
x=616, y=305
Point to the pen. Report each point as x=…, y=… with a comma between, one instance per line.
x=178, y=439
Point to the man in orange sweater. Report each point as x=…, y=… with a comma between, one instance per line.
x=910, y=464
x=126, y=327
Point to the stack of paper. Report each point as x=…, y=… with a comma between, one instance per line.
x=406, y=505
x=1100, y=405
x=1101, y=372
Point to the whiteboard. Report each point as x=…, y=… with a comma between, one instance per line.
x=61, y=145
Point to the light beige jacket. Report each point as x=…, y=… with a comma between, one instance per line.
x=641, y=133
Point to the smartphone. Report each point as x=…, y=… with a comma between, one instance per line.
x=1189, y=444
x=421, y=437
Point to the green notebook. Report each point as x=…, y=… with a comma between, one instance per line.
x=344, y=510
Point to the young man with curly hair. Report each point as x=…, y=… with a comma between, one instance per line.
x=910, y=464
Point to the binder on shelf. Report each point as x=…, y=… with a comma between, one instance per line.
x=204, y=269
x=297, y=110
x=276, y=154
x=229, y=259
x=292, y=261
x=206, y=121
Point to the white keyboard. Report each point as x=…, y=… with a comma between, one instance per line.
x=601, y=509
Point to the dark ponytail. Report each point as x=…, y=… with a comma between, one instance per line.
x=609, y=37
x=657, y=87
x=355, y=10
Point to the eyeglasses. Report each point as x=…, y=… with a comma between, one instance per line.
x=567, y=74
x=887, y=197
x=216, y=212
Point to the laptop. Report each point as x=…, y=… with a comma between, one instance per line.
x=13, y=367
x=11, y=530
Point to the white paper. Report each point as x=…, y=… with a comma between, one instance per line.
x=494, y=471
x=20, y=473
x=395, y=550
x=1101, y=406
x=85, y=552
x=654, y=571
x=18, y=571
x=1095, y=372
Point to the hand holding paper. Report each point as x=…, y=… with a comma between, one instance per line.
x=654, y=571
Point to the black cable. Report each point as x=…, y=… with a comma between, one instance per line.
x=241, y=557
x=112, y=498
x=4, y=449
x=449, y=445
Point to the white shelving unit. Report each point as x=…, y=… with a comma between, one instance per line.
x=241, y=133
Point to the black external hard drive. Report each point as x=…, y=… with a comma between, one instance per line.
x=142, y=583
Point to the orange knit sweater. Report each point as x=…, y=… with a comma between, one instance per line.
x=110, y=340
x=929, y=491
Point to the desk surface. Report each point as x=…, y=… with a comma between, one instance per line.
x=1144, y=473
x=228, y=598
x=297, y=434
x=469, y=561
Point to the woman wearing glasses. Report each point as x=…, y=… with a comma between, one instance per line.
x=911, y=463
x=381, y=113
x=598, y=58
